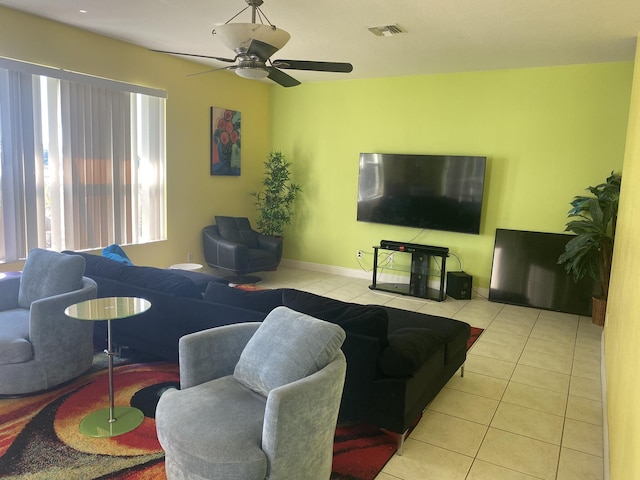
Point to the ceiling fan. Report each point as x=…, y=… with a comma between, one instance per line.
x=254, y=44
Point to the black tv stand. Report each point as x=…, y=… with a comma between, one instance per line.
x=419, y=270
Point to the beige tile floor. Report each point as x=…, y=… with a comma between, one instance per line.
x=529, y=406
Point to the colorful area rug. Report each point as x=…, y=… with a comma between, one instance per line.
x=40, y=439
x=360, y=452
x=475, y=333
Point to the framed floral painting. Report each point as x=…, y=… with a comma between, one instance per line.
x=225, y=141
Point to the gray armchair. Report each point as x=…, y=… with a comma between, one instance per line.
x=257, y=401
x=233, y=246
x=40, y=347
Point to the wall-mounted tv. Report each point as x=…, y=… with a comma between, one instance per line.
x=437, y=192
x=525, y=271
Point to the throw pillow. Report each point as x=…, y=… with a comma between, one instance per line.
x=237, y=230
x=287, y=347
x=408, y=349
x=115, y=252
x=48, y=273
x=259, y=300
x=367, y=320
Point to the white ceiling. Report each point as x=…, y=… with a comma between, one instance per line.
x=442, y=35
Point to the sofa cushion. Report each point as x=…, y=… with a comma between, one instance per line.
x=367, y=320
x=48, y=273
x=259, y=300
x=152, y=278
x=160, y=280
x=237, y=230
x=454, y=333
x=97, y=266
x=287, y=347
x=408, y=349
x=200, y=279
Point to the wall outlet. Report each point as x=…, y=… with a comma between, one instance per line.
x=189, y=257
x=359, y=254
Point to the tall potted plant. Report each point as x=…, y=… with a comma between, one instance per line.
x=593, y=220
x=275, y=200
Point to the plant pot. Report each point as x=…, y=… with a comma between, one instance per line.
x=599, y=310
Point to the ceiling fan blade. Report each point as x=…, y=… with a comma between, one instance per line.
x=315, y=66
x=211, y=71
x=221, y=59
x=282, y=78
x=261, y=50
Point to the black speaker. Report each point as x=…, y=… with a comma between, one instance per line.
x=459, y=285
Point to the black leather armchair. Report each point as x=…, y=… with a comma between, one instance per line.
x=233, y=246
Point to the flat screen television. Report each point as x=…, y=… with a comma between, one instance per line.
x=525, y=271
x=437, y=192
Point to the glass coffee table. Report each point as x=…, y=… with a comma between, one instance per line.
x=111, y=421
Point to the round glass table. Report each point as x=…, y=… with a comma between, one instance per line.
x=111, y=421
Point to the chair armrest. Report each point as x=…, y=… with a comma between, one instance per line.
x=301, y=418
x=212, y=353
x=50, y=330
x=223, y=253
x=271, y=244
x=9, y=289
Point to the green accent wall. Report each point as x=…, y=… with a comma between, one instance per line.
x=547, y=132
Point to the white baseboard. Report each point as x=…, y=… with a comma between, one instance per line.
x=605, y=417
x=359, y=273
x=349, y=272
x=319, y=267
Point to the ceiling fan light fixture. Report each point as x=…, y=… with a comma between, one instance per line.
x=254, y=44
x=238, y=36
x=252, y=73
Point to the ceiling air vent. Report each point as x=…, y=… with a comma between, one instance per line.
x=387, y=30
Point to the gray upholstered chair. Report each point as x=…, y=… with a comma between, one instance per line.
x=40, y=347
x=233, y=246
x=257, y=401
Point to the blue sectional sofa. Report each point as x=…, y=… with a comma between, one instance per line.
x=397, y=360
x=177, y=305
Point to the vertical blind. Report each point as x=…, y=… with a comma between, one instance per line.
x=82, y=161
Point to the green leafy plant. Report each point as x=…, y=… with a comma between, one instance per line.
x=594, y=223
x=275, y=201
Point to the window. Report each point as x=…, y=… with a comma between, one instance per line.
x=82, y=161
